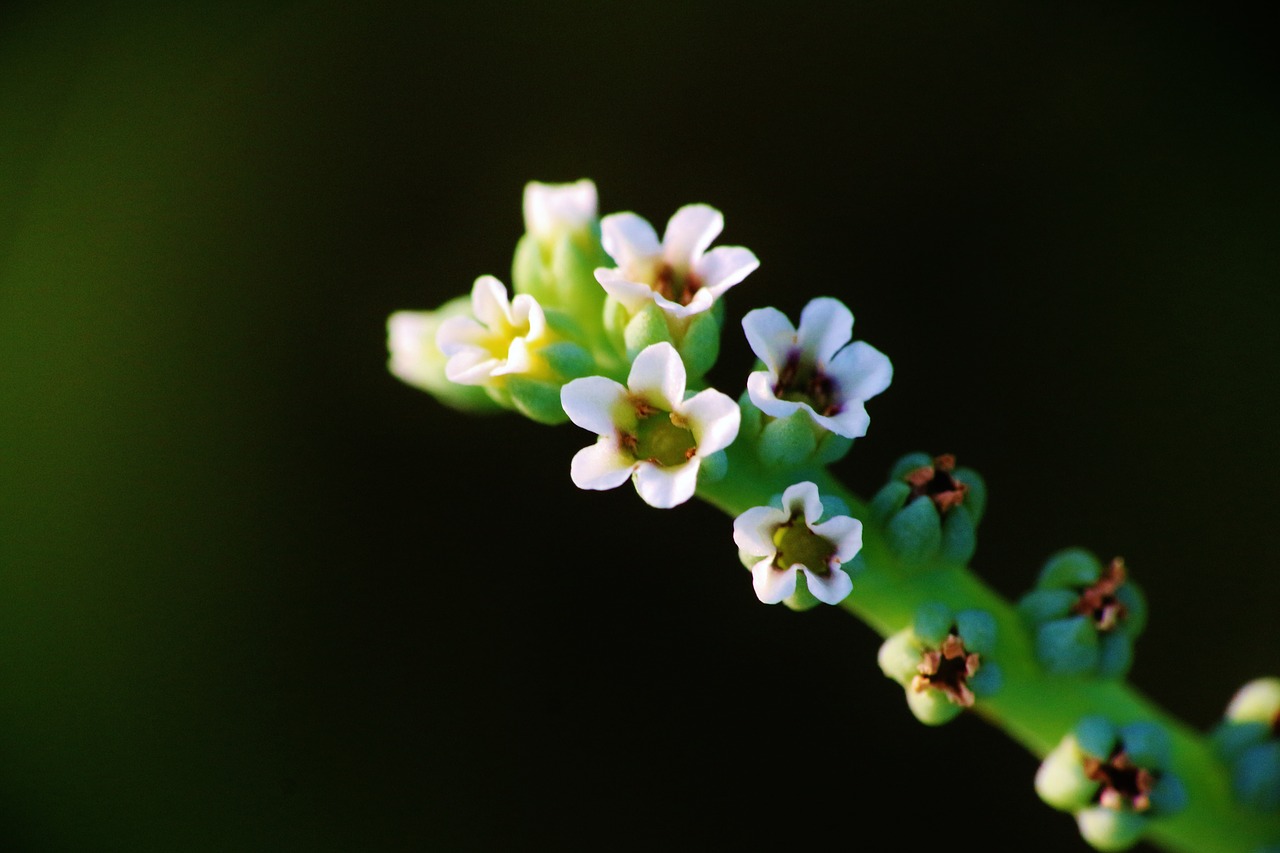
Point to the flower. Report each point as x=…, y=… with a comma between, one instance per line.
x=551, y=210
x=502, y=338
x=416, y=359
x=678, y=274
x=647, y=430
x=790, y=539
x=815, y=369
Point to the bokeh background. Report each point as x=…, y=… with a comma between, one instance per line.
x=257, y=595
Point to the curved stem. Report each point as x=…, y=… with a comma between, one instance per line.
x=1035, y=708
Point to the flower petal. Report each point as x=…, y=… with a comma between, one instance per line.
x=831, y=588
x=753, y=530
x=689, y=233
x=725, y=266
x=803, y=496
x=713, y=419
x=665, y=487
x=851, y=421
x=861, y=371
x=601, y=465
x=591, y=403
x=489, y=302
x=471, y=366
x=458, y=333
x=629, y=238
x=843, y=532
x=770, y=336
x=658, y=376
x=771, y=584
x=526, y=312
x=550, y=208
x=632, y=294
x=825, y=326
x=760, y=392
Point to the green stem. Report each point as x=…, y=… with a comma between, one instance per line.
x=1035, y=708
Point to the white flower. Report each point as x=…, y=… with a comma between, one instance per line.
x=790, y=540
x=501, y=338
x=678, y=274
x=551, y=210
x=647, y=430
x=815, y=368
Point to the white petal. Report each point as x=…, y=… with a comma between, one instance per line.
x=658, y=375
x=825, y=326
x=753, y=530
x=713, y=419
x=552, y=208
x=519, y=359
x=771, y=584
x=689, y=233
x=725, y=266
x=629, y=238
x=471, y=366
x=525, y=311
x=770, y=335
x=861, y=371
x=665, y=487
x=831, y=588
x=632, y=294
x=803, y=496
x=851, y=421
x=458, y=333
x=489, y=302
x=760, y=392
x=591, y=402
x=410, y=339
x=843, y=532
x=601, y=466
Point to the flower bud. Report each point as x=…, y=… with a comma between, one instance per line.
x=929, y=511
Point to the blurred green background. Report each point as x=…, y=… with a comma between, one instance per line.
x=257, y=595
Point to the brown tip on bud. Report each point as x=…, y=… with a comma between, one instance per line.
x=935, y=482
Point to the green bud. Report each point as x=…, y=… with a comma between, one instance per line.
x=1109, y=829
x=646, y=328
x=573, y=269
x=529, y=273
x=1061, y=781
x=1255, y=776
x=699, y=346
x=1067, y=646
x=1071, y=568
x=959, y=536
x=933, y=622
x=536, y=399
x=786, y=442
x=914, y=533
x=932, y=707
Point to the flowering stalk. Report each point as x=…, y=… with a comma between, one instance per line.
x=620, y=350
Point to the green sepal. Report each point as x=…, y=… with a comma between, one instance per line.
x=1147, y=744
x=536, y=399
x=975, y=499
x=987, y=681
x=932, y=707
x=801, y=600
x=529, y=273
x=1095, y=736
x=933, y=622
x=832, y=448
x=752, y=418
x=1070, y=569
x=646, y=328
x=568, y=360
x=959, y=537
x=786, y=442
x=1110, y=829
x=1043, y=605
x=1135, y=603
x=574, y=272
x=1067, y=646
x=891, y=498
x=1061, y=781
x=747, y=559
x=978, y=630
x=1230, y=739
x=1255, y=777
x=915, y=532
x=832, y=506
x=699, y=347
x=1115, y=654
x=1169, y=796
x=713, y=467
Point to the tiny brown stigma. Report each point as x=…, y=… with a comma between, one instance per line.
x=1124, y=784
x=935, y=481
x=802, y=382
x=1099, y=600
x=676, y=287
x=948, y=669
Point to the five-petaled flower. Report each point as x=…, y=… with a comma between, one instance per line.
x=678, y=274
x=502, y=338
x=792, y=539
x=815, y=369
x=551, y=210
x=647, y=430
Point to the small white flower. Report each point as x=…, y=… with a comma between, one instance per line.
x=790, y=540
x=502, y=337
x=648, y=431
x=551, y=210
x=815, y=368
x=678, y=274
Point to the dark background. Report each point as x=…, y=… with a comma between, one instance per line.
x=257, y=594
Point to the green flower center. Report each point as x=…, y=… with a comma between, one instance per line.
x=796, y=543
x=663, y=438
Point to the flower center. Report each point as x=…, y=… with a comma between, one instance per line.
x=796, y=543
x=1124, y=784
x=661, y=437
x=675, y=285
x=937, y=483
x=1099, y=600
x=803, y=382
x=948, y=668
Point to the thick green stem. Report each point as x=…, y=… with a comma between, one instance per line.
x=1035, y=708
